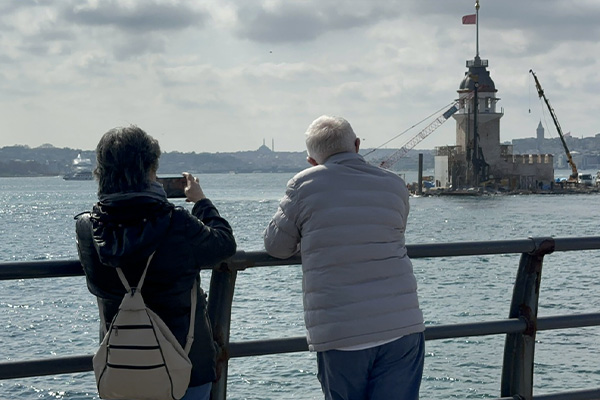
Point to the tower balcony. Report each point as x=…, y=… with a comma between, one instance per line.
x=477, y=62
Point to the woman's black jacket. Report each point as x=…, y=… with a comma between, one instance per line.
x=124, y=233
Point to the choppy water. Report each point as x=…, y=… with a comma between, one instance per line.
x=58, y=317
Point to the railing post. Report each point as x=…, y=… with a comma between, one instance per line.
x=220, y=299
x=517, y=369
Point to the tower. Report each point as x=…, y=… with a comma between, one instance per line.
x=479, y=159
x=540, y=132
x=477, y=122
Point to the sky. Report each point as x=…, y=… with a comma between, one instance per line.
x=226, y=75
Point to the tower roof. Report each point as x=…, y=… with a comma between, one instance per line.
x=478, y=73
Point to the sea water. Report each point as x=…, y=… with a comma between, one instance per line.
x=46, y=318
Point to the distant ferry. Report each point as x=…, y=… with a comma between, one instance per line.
x=81, y=170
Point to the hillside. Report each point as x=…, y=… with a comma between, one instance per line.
x=52, y=161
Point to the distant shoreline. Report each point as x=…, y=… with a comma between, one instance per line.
x=22, y=161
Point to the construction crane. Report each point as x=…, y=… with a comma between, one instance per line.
x=574, y=174
x=398, y=154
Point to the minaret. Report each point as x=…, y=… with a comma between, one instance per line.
x=477, y=122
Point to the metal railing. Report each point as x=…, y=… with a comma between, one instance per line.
x=520, y=327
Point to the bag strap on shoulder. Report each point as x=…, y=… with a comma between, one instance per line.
x=141, y=282
x=190, y=336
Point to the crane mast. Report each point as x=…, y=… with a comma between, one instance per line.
x=574, y=174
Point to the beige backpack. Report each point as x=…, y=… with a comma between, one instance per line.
x=139, y=357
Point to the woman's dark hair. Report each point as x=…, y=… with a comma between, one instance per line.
x=125, y=159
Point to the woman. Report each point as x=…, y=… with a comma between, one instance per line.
x=133, y=219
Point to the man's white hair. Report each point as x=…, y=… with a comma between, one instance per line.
x=329, y=135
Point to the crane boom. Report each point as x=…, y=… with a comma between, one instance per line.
x=574, y=174
x=398, y=154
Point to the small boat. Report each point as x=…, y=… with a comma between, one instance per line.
x=81, y=170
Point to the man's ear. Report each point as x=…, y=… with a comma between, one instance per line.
x=312, y=161
x=357, y=144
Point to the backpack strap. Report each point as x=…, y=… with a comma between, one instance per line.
x=194, y=301
x=141, y=282
x=190, y=336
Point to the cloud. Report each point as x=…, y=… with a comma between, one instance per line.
x=48, y=40
x=199, y=101
x=132, y=47
x=93, y=65
x=4, y=59
x=10, y=8
x=141, y=17
x=192, y=76
x=287, y=22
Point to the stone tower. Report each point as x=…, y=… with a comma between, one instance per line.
x=540, y=132
x=478, y=158
x=539, y=136
x=478, y=123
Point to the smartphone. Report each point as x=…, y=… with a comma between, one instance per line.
x=173, y=185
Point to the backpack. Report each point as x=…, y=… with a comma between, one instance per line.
x=139, y=357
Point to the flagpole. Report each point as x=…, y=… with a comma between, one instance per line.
x=477, y=28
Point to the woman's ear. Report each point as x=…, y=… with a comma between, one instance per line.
x=312, y=161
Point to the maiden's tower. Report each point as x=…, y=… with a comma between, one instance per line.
x=478, y=158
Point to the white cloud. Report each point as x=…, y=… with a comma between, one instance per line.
x=135, y=16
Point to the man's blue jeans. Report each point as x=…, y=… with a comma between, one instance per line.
x=387, y=372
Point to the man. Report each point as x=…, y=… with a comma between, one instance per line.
x=362, y=315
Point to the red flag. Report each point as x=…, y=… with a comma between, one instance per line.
x=469, y=19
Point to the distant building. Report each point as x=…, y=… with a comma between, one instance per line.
x=264, y=149
x=540, y=136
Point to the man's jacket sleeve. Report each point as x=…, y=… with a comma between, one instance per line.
x=282, y=236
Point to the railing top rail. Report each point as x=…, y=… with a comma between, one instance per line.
x=247, y=259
